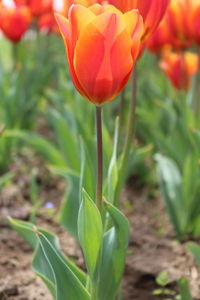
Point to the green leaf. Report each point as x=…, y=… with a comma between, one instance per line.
x=87, y=174
x=68, y=286
x=163, y=279
x=67, y=139
x=184, y=289
x=170, y=181
x=40, y=144
x=195, y=250
x=70, y=208
x=90, y=232
x=40, y=264
x=113, y=168
x=114, y=250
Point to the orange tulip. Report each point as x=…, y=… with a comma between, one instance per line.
x=14, y=22
x=174, y=30
x=193, y=20
x=152, y=11
x=102, y=45
x=179, y=68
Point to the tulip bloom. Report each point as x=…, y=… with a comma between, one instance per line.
x=160, y=39
x=47, y=22
x=14, y=22
x=175, y=29
x=37, y=7
x=102, y=45
x=179, y=68
x=152, y=11
x=193, y=20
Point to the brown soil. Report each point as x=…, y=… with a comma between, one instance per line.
x=153, y=247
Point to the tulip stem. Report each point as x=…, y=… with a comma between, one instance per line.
x=121, y=110
x=196, y=96
x=99, y=180
x=128, y=140
x=15, y=56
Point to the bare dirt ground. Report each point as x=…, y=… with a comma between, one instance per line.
x=153, y=247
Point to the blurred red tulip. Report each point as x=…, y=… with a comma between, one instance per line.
x=40, y=7
x=14, y=22
x=161, y=39
x=47, y=22
x=102, y=45
x=179, y=68
x=37, y=7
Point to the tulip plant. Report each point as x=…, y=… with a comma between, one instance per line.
x=102, y=45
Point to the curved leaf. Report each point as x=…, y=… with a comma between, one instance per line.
x=115, y=244
x=67, y=285
x=90, y=232
x=40, y=264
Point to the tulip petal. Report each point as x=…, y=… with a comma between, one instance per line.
x=79, y=17
x=64, y=27
x=103, y=57
x=98, y=9
x=63, y=24
x=135, y=26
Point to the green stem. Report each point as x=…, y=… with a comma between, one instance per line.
x=94, y=293
x=15, y=56
x=99, y=181
x=196, y=94
x=121, y=110
x=128, y=141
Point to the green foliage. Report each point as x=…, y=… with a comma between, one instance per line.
x=62, y=277
x=90, y=232
x=22, y=86
x=167, y=122
x=163, y=279
x=115, y=242
x=184, y=289
x=195, y=250
x=181, y=188
x=104, y=254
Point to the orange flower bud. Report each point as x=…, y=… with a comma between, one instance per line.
x=14, y=22
x=179, y=68
x=102, y=45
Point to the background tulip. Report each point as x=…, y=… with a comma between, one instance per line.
x=179, y=68
x=193, y=20
x=102, y=45
x=151, y=11
x=179, y=28
x=38, y=8
x=14, y=22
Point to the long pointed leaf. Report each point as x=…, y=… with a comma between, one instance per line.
x=90, y=232
x=115, y=244
x=68, y=287
x=27, y=231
